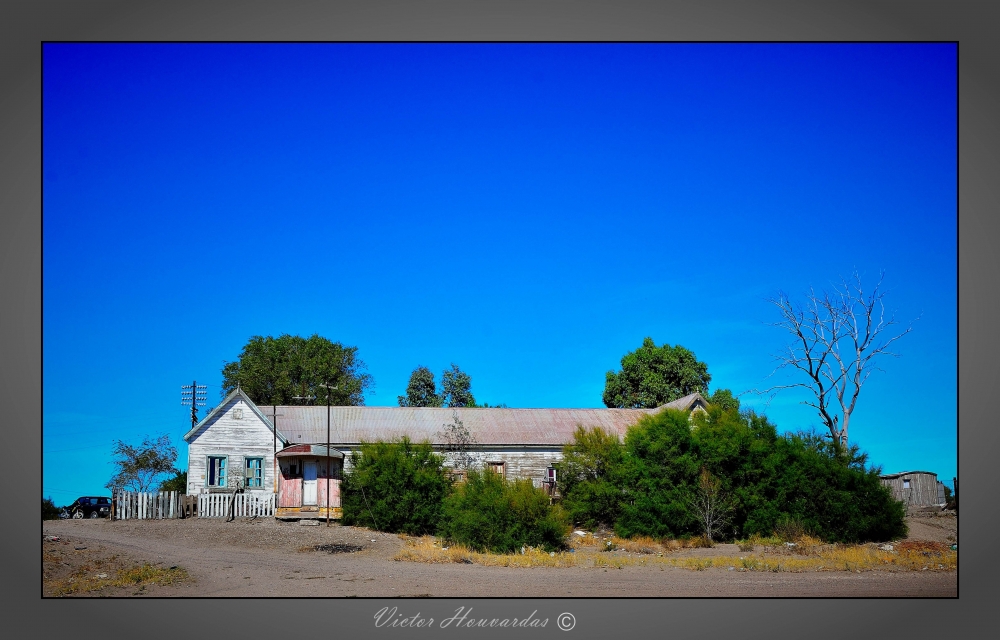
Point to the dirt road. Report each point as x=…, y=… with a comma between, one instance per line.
x=267, y=558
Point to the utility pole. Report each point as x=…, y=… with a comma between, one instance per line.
x=195, y=397
x=274, y=458
x=328, y=390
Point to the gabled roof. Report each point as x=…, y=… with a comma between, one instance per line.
x=253, y=407
x=493, y=426
x=687, y=403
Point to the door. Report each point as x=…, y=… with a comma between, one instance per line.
x=309, y=483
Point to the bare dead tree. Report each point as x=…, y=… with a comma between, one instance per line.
x=711, y=504
x=839, y=336
x=458, y=441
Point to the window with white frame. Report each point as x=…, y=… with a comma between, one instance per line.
x=254, y=473
x=216, y=476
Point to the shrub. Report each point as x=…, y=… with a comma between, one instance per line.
x=396, y=486
x=661, y=471
x=178, y=482
x=790, y=529
x=646, y=485
x=49, y=510
x=589, y=477
x=490, y=513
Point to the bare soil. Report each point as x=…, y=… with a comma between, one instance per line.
x=265, y=557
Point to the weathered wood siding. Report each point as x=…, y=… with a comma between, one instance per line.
x=290, y=492
x=290, y=487
x=519, y=462
x=236, y=438
x=321, y=492
x=924, y=488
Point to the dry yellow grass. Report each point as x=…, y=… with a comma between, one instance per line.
x=431, y=550
x=809, y=554
x=853, y=558
x=113, y=572
x=639, y=544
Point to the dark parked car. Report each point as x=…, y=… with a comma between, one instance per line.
x=89, y=507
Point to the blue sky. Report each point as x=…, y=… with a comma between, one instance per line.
x=529, y=212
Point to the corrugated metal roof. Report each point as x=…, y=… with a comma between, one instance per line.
x=491, y=426
x=889, y=476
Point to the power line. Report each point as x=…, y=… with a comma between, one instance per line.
x=196, y=397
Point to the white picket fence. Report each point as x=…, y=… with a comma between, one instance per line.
x=148, y=506
x=248, y=505
x=173, y=504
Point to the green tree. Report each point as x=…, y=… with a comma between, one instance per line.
x=140, y=467
x=274, y=370
x=652, y=376
x=178, y=482
x=725, y=400
x=490, y=513
x=679, y=474
x=396, y=486
x=456, y=388
x=421, y=390
x=590, y=477
x=663, y=470
x=49, y=509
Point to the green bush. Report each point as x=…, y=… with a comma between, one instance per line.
x=49, y=510
x=490, y=513
x=396, y=486
x=178, y=482
x=646, y=485
x=589, y=477
x=661, y=475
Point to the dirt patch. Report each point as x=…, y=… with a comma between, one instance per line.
x=932, y=524
x=73, y=568
x=265, y=557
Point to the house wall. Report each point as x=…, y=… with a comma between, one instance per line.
x=290, y=486
x=519, y=462
x=226, y=435
x=923, y=490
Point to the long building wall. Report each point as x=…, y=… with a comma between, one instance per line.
x=524, y=462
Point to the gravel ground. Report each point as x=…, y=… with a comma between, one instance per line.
x=264, y=557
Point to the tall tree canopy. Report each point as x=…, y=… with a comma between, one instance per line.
x=273, y=370
x=421, y=391
x=140, y=467
x=652, y=376
x=456, y=388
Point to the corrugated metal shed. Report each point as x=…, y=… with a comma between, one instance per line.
x=916, y=488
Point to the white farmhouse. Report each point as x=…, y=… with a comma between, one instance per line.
x=236, y=444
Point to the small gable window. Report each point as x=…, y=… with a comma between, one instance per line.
x=906, y=483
